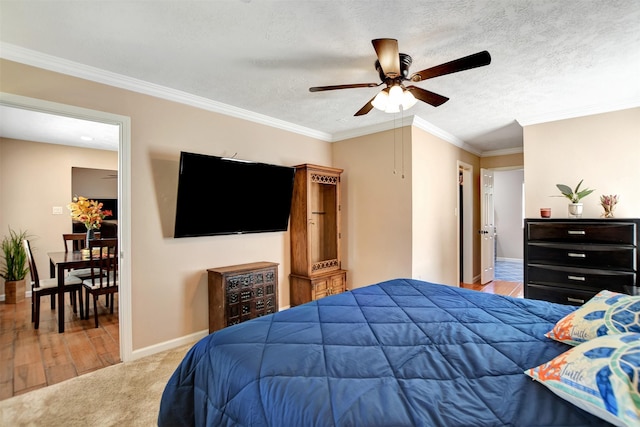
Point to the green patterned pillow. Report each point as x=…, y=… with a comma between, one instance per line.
x=607, y=313
x=599, y=376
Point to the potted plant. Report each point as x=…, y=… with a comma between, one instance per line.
x=575, y=207
x=15, y=268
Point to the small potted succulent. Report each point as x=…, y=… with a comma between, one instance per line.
x=574, y=195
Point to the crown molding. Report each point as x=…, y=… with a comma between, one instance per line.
x=48, y=62
x=29, y=57
x=420, y=123
x=416, y=121
x=579, y=112
x=503, y=152
x=368, y=130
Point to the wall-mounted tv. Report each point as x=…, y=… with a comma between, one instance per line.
x=218, y=195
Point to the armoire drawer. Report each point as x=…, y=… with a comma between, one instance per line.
x=593, y=256
x=559, y=295
x=580, y=277
x=583, y=232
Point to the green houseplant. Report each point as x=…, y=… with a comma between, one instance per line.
x=15, y=268
x=574, y=195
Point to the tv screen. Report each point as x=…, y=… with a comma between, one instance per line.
x=217, y=195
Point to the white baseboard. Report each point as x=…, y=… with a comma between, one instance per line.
x=174, y=343
x=27, y=294
x=168, y=345
x=509, y=259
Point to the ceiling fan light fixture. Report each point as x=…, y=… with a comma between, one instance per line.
x=390, y=100
x=392, y=108
x=395, y=95
x=381, y=100
x=408, y=100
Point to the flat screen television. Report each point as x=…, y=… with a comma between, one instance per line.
x=217, y=195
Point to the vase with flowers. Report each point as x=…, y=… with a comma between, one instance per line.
x=608, y=203
x=88, y=212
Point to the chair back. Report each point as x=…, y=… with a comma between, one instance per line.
x=33, y=271
x=103, y=258
x=77, y=241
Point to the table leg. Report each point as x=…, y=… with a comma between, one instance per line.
x=60, y=299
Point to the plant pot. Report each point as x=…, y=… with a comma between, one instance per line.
x=14, y=291
x=575, y=210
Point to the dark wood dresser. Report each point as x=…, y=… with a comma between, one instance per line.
x=241, y=292
x=568, y=261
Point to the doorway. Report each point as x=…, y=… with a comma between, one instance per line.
x=464, y=173
x=509, y=221
x=124, y=189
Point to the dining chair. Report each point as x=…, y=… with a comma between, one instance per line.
x=103, y=257
x=76, y=241
x=44, y=287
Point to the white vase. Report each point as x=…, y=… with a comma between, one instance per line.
x=575, y=210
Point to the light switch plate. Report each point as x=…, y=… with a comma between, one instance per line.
x=56, y=210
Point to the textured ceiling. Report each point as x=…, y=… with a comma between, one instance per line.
x=550, y=59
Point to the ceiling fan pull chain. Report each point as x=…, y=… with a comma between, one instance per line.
x=394, y=145
x=402, y=135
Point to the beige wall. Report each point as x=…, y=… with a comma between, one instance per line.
x=602, y=149
x=392, y=226
x=399, y=201
x=435, y=200
x=169, y=288
x=34, y=178
x=376, y=207
x=504, y=161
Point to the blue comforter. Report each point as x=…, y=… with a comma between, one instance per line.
x=399, y=353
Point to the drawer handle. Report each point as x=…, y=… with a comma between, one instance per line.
x=576, y=255
x=581, y=301
x=580, y=278
x=577, y=232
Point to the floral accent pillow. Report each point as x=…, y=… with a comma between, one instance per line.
x=599, y=376
x=607, y=313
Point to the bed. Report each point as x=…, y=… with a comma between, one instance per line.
x=398, y=353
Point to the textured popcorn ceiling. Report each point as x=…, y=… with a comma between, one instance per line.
x=551, y=59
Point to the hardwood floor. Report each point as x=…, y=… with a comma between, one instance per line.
x=31, y=359
x=500, y=287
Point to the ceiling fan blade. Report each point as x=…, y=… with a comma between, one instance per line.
x=367, y=107
x=427, y=96
x=334, y=87
x=468, y=62
x=388, y=56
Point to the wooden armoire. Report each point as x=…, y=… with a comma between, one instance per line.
x=315, y=234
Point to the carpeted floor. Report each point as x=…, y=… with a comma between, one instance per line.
x=126, y=394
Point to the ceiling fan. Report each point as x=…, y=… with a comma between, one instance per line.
x=393, y=69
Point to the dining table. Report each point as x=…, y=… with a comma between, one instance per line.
x=59, y=263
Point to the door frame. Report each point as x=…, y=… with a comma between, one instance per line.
x=124, y=196
x=464, y=212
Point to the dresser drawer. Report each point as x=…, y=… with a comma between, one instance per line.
x=559, y=295
x=583, y=232
x=593, y=256
x=580, y=277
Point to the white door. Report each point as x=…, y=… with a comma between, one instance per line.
x=488, y=230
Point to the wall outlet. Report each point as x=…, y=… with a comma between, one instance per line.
x=56, y=210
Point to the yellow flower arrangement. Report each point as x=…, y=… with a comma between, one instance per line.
x=88, y=212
